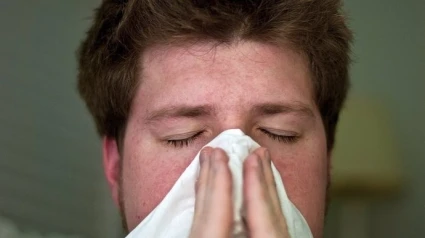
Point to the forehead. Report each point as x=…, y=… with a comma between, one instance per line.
x=169, y=59
x=231, y=75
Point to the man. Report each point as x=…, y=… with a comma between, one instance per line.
x=162, y=78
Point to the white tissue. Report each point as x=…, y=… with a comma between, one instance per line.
x=173, y=216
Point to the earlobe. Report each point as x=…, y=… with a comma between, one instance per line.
x=111, y=166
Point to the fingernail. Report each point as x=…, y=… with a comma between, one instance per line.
x=215, y=156
x=203, y=156
x=258, y=159
x=267, y=154
x=255, y=160
x=196, y=185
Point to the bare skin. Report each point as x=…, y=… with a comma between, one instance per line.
x=190, y=94
x=264, y=217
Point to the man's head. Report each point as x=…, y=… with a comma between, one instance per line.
x=162, y=78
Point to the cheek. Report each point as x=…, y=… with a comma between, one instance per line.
x=148, y=175
x=304, y=175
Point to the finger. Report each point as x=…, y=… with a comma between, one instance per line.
x=200, y=185
x=255, y=194
x=264, y=154
x=214, y=214
x=263, y=218
x=204, y=164
x=219, y=188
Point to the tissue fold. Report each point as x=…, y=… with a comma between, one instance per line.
x=173, y=216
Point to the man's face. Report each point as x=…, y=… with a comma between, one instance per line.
x=198, y=91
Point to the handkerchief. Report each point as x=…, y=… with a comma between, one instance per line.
x=173, y=216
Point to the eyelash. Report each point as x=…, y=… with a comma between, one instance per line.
x=280, y=138
x=186, y=142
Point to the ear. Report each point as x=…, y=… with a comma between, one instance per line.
x=111, y=166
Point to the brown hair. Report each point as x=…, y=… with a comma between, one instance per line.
x=122, y=30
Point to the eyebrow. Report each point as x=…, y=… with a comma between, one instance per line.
x=269, y=109
x=180, y=111
x=264, y=109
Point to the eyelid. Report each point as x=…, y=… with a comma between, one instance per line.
x=280, y=138
x=183, y=136
x=279, y=132
x=180, y=143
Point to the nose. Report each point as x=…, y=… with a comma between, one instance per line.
x=240, y=122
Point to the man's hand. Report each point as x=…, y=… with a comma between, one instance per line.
x=213, y=209
x=263, y=212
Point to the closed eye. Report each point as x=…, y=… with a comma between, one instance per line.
x=184, y=142
x=187, y=141
x=280, y=138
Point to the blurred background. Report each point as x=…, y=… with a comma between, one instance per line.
x=51, y=180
